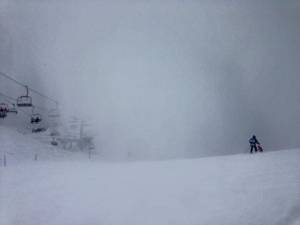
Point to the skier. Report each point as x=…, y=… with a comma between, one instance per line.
x=254, y=143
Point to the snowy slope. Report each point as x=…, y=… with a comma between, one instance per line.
x=259, y=189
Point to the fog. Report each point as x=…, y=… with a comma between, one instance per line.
x=163, y=79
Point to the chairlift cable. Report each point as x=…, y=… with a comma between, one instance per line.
x=12, y=79
x=8, y=97
x=24, y=85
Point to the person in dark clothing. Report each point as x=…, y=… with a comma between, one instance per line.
x=253, y=143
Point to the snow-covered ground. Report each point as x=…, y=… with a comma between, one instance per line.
x=258, y=189
x=21, y=147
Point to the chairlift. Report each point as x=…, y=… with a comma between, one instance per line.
x=36, y=118
x=3, y=114
x=54, y=142
x=38, y=129
x=3, y=110
x=4, y=107
x=25, y=100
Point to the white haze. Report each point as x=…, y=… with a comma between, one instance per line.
x=162, y=79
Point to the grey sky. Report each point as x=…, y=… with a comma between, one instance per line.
x=164, y=79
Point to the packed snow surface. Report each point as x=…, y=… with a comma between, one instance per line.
x=258, y=189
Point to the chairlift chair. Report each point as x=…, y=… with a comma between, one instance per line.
x=36, y=118
x=54, y=142
x=3, y=114
x=24, y=100
x=38, y=129
x=4, y=107
x=3, y=110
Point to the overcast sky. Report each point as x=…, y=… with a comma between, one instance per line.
x=163, y=78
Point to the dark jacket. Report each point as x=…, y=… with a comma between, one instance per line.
x=253, y=141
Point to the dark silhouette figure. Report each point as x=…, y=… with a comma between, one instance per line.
x=35, y=119
x=254, y=143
